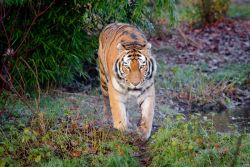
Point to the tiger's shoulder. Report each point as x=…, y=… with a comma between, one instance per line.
x=123, y=33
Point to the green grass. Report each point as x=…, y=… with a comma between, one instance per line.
x=235, y=73
x=66, y=147
x=199, y=87
x=177, y=143
x=195, y=143
x=241, y=11
x=181, y=77
x=64, y=143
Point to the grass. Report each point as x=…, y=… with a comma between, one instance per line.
x=66, y=147
x=181, y=77
x=196, y=143
x=241, y=11
x=192, y=85
x=72, y=137
x=234, y=73
x=67, y=143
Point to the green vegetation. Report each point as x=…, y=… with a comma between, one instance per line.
x=66, y=145
x=52, y=42
x=234, y=73
x=197, y=14
x=206, y=11
x=178, y=142
x=196, y=143
x=65, y=142
x=203, y=11
x=197, y=87
x=240, y=11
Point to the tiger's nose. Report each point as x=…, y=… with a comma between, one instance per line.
x=135, y=83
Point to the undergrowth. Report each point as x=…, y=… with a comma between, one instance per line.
x=68, y=145
x=73, y=136
x=74, y=140
x=196, y=143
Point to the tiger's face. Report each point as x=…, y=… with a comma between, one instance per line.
x=134, y=66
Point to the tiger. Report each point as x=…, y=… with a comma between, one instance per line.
x=127, y=68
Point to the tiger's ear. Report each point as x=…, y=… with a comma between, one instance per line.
x=120, y=47
x=148, y=45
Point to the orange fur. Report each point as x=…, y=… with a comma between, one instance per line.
x=126, y=67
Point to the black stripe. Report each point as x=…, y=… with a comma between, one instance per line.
x=100, y=62
x=134, y=89
x=102, y=71
x=103, y=78
x=104, y=85
x=121, y=85
x=153, y=64
x=151, y=69
x=140, y=104
x=105, y=88
x=116, y=70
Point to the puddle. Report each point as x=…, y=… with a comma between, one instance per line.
x=231, y=119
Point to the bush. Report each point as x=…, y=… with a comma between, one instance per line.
x=206, y=11
x=58, y=40
x=211, y=11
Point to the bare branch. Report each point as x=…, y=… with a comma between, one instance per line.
x=31, y=25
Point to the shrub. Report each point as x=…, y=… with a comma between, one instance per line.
x=58, y=39
x=211, y=11
x=206, y=11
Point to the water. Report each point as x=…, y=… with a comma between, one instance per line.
x=226, y=121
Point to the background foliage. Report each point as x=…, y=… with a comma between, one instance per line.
x=58, y=40
x=205, y=11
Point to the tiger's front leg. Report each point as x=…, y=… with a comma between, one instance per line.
x=118, y=109
x=147, y=105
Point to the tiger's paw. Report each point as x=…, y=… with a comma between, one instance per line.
x=144, y=132
x=121, y=126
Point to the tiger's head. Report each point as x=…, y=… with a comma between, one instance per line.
x=134, y=65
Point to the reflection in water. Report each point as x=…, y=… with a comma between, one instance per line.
x=226, y=121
